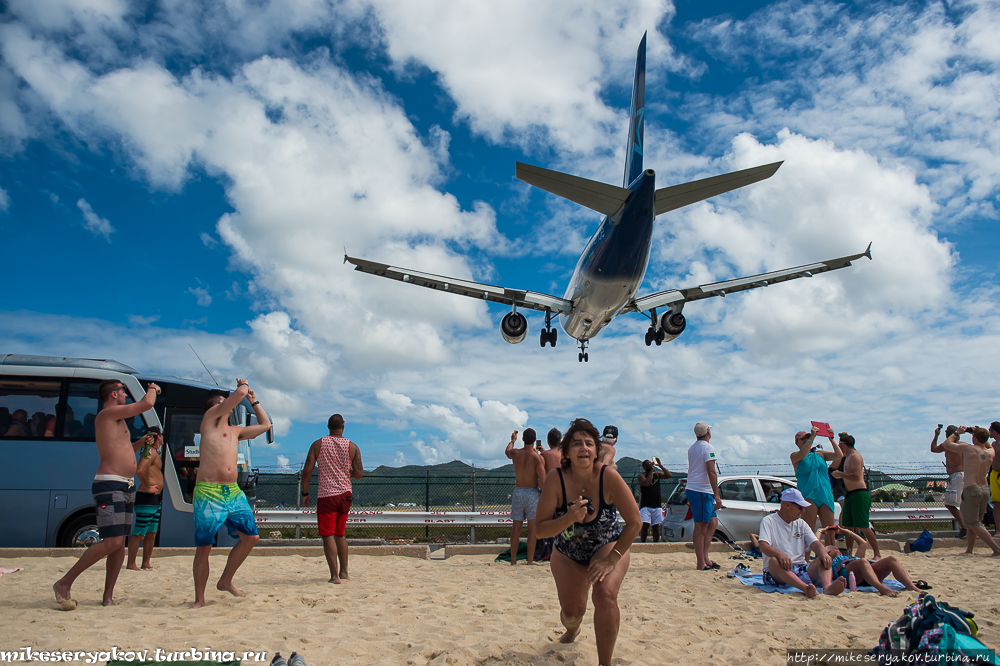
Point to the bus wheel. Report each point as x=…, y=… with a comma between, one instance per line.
x=81, y=532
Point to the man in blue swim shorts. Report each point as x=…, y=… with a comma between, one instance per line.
x=218, y=499
x=703, y=493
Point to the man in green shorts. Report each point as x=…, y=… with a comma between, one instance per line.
x=218, y=499
x=858, y=501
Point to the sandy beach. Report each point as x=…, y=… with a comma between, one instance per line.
x=464, y=610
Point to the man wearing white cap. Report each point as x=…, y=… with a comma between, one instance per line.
x=784, y=538
x=703, y=493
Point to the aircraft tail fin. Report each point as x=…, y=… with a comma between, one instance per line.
x=604, y=198
x=636, y=131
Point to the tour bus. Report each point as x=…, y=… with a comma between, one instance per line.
x=47, y=410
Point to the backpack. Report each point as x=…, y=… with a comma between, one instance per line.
x=922, y=543
x=933, y=629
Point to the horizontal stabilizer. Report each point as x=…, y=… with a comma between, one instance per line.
x=531, y=300
x=677, y=196
x=681, y=296
x=604, y=198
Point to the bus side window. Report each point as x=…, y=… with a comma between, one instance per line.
x=28, y=406
x=82, y=405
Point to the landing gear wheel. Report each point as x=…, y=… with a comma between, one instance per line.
x=553, y=336
x=586, y=357
x=543, y=338
x=580, y=357
x=649, y=336
x=660, y=336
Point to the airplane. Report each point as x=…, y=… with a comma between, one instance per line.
x=611, y=268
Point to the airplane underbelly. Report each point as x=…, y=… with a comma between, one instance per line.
x=596, y=302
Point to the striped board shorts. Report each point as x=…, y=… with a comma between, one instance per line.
x=147, y=513
x=114, y=499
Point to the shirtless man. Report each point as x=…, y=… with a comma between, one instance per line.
x=956, y=477
x=858, y=501
x=148, y=501
x=218, y=499
x=528, y=470
x=608, y=440
x=977, y=458
x=112, y=489
x=994, y=478
x=553, y=457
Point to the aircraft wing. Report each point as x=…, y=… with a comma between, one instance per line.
x=677, y=196
x=671, y=296
x=524, y=299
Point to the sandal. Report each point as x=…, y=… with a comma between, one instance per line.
x=714, y=565
x=922, y=585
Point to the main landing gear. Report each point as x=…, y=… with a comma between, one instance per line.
x=548, y=334
x=654, y=335
x=583, y=358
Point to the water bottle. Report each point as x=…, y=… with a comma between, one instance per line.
x=852, y=582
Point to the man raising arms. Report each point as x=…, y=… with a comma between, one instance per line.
x=339, y=461
x=148, y=501
x=553, y=457
x=528, y=471
x=113, y=491
x=977, y=458
x=956, y=477
x=218, y=499
x=608, y=440
x=650, y=502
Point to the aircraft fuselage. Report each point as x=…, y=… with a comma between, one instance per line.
x=612, y=266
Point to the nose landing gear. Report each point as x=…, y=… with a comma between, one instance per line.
x=583, y=357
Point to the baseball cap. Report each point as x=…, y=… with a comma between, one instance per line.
x=610, y=432
x=801, y=434
x=794, y=496
x=701, y=429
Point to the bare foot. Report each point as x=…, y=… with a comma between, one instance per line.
x=886, y=592
x=572, y=627
x=836, y=587
x=131, y=567
x=334, y=580
x=231, y=589
x=810, y=591
x=197, y=604
x=63, y=599
x=513, y=563
x=344, y=576
x=109, y=602
x=148, y=567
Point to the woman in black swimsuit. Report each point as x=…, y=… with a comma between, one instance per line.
x=590, y=546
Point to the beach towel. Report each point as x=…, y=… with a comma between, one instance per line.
x=4, y=571
x=813, y=480
x=757, y=581
x=522, y=553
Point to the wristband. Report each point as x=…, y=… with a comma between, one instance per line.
x=255, y=403
x=304, y=493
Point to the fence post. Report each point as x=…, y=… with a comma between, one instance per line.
x=298, y=500
x=472, y=528
x=427, y=502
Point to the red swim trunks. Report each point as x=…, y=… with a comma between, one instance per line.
x=332, y=514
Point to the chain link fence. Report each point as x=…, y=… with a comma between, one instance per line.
x=902, y=485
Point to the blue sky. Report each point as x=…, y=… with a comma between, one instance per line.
x=187, y=175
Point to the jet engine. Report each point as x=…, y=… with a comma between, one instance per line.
x=513, y=327
x=671, y=325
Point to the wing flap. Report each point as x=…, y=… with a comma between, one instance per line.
x=671, y=296
x=678, y=196
x=604, y=198
x=525, y=299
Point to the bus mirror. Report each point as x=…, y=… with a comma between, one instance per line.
x=270, y=435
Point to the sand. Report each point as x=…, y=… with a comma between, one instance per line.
x=464, y=610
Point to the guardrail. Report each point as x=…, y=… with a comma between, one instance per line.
x=307, y=517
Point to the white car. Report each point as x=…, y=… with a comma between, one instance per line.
x=745, y=502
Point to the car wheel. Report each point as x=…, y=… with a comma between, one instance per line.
x=81, y=532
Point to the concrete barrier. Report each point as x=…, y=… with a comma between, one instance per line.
x=421, y=552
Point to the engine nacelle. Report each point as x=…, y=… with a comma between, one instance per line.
x=513, y=327
x=672, y=324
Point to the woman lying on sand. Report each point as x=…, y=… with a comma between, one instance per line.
x=590, y=547
x=864, y=570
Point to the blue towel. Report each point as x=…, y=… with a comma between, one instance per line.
x=757, y=581
x=813, y=480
